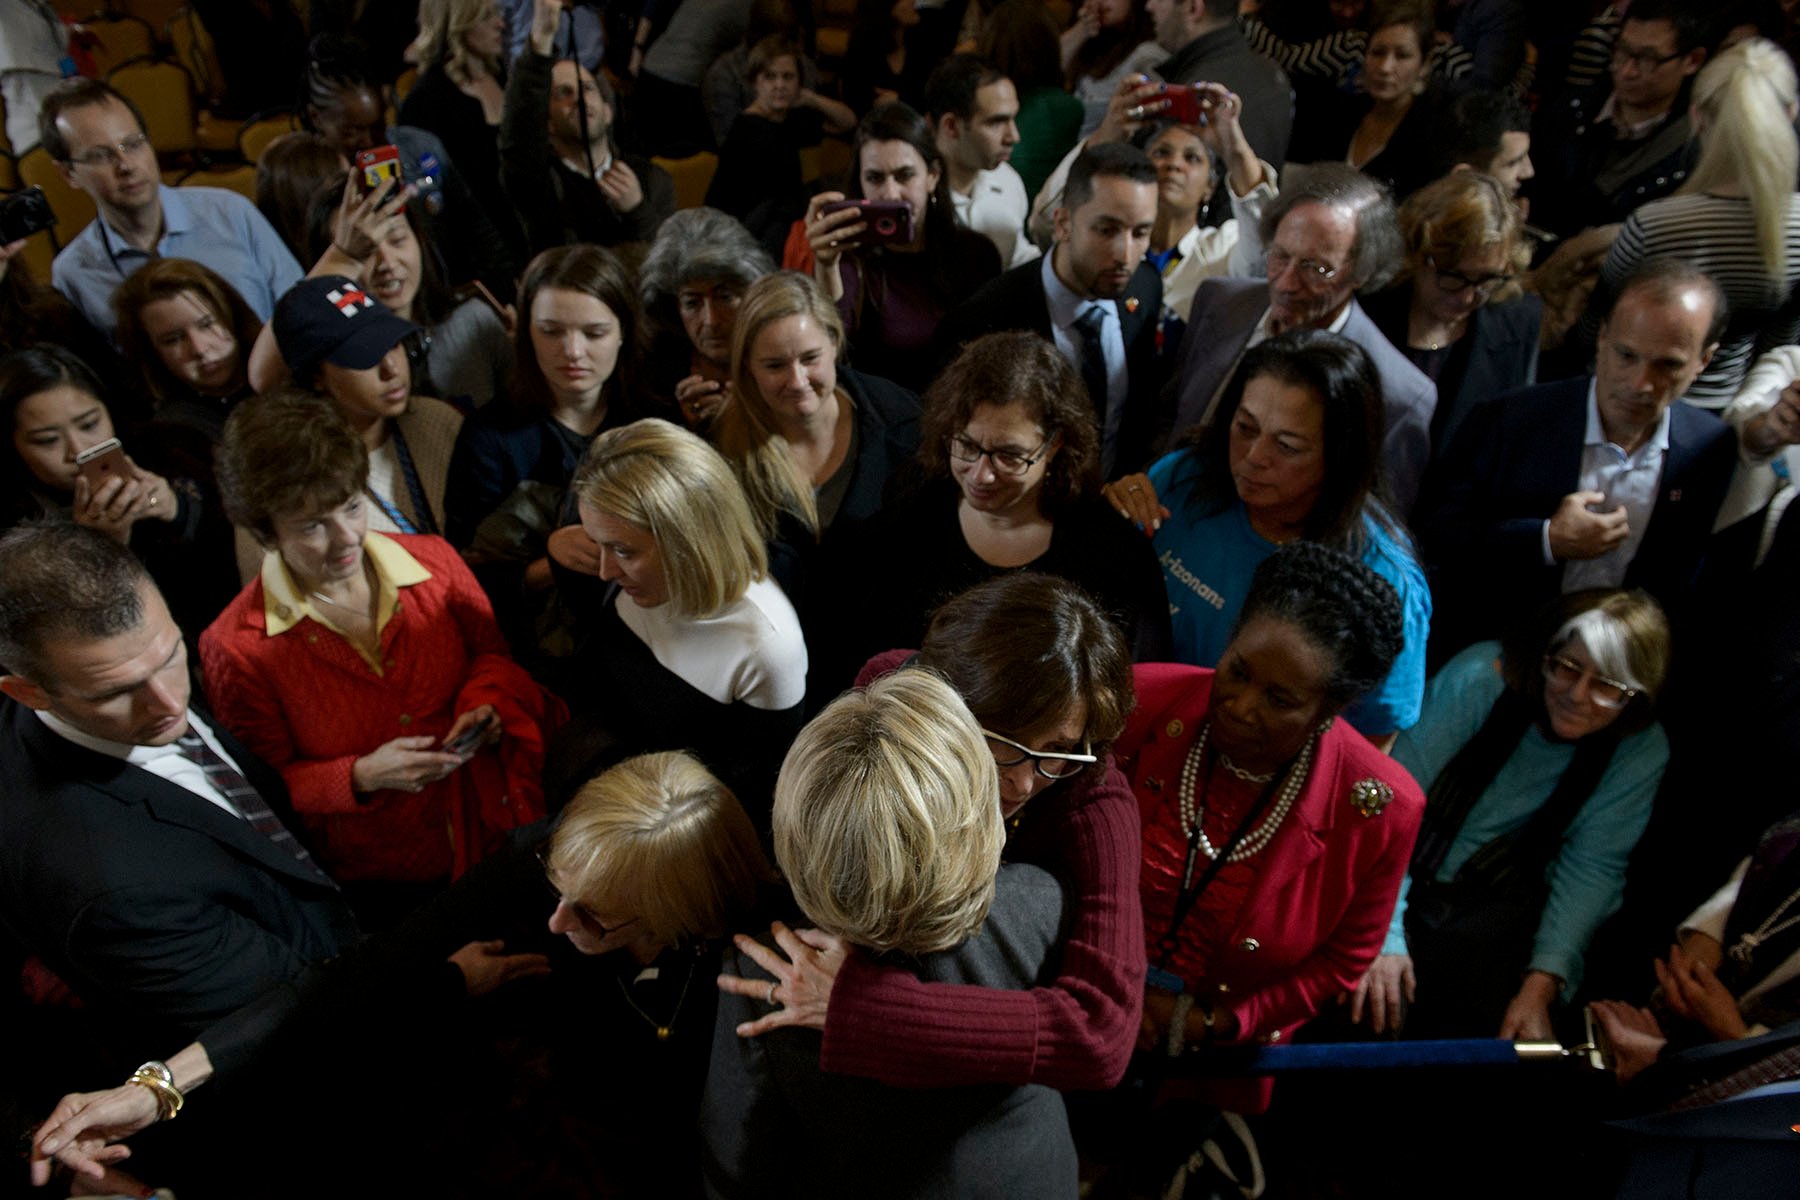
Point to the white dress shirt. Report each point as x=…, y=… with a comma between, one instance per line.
x=167, y=761
x=1628, y=479
x=995, y=208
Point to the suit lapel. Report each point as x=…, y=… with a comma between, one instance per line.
x=1033, y=298
x=1666, y=513
x=165, y=801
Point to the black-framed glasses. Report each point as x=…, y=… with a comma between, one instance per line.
x=1607, y=693
x=111, y=156
x=1006, y=460
x=1456, y=281
x=1051, y=764
x=589, y=922
x=1310, y=268
x=1643, y=60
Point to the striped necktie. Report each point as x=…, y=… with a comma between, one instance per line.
x=238, y=793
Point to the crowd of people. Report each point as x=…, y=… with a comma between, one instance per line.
x=1224, y=524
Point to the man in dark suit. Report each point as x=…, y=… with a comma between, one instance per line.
x=1601, y=481
x=1093, y=296
x=144, y=853
x=1611, y=146
x=1330, y=234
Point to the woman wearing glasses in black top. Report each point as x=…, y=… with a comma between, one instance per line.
x=1010, y=452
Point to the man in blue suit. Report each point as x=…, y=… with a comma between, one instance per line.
x=1601, y=481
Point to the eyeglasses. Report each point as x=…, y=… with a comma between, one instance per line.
x=1643, y=60
x=1607, y=693
x=1456, y=281
x=1006, y=461
x=1051, y=764
x=112, y=156
x=589, y=922
x=1310, y=269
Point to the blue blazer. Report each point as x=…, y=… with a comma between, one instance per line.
x=1480, y=519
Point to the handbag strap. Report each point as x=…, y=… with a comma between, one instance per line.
x=1532, y=847
x=1460, y=784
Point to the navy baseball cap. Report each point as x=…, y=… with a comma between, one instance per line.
x=333, y=319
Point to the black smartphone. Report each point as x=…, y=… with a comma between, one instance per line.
x=471, y=739
x=24, y=214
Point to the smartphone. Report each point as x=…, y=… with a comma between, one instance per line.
x=24, y=214
x=101, y=462
x=479, y=291
x=1177, y=102
x=374, y=166
x=471, y=739
x=890, y=222
x=1184, y=104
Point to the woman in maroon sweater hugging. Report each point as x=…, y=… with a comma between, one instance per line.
x=1046, y=673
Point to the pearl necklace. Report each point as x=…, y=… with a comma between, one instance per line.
x=1748, y=942
x=1192, y=811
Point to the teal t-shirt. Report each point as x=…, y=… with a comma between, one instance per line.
x=1207, y=563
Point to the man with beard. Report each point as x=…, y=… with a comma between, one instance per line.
x=558, y=159
x=1094, y=296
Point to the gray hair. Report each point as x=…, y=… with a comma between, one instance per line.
x=59, y=580
x=1379, y=250
x=697, y=243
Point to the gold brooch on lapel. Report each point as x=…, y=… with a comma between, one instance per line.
x=1174, y=728
x=1369, y=796
x=1131, y=304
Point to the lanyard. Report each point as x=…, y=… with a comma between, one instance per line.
x=415, y=491
x=1191, y=893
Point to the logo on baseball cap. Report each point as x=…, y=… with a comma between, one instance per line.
x=331, y=319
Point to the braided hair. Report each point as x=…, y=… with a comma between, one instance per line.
x=1345, y=609
x=334, y=65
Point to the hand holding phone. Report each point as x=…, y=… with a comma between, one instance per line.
x=471, y=739
x=886, y=222
x=101, y=462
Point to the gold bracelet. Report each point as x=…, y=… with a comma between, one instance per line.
x=159, y=1081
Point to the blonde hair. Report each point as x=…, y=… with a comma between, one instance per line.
x=1462, y=212
x=674, y=486
x=1744, y=99
x=657, y=837
x=442, y=26
x=887, y=817
x=746, y=431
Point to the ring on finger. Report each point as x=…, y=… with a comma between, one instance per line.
x=770, y=999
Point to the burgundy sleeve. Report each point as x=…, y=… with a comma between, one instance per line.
x=1076, y=1033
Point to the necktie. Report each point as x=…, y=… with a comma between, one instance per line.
x=240, y=795
x=1093, y=358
